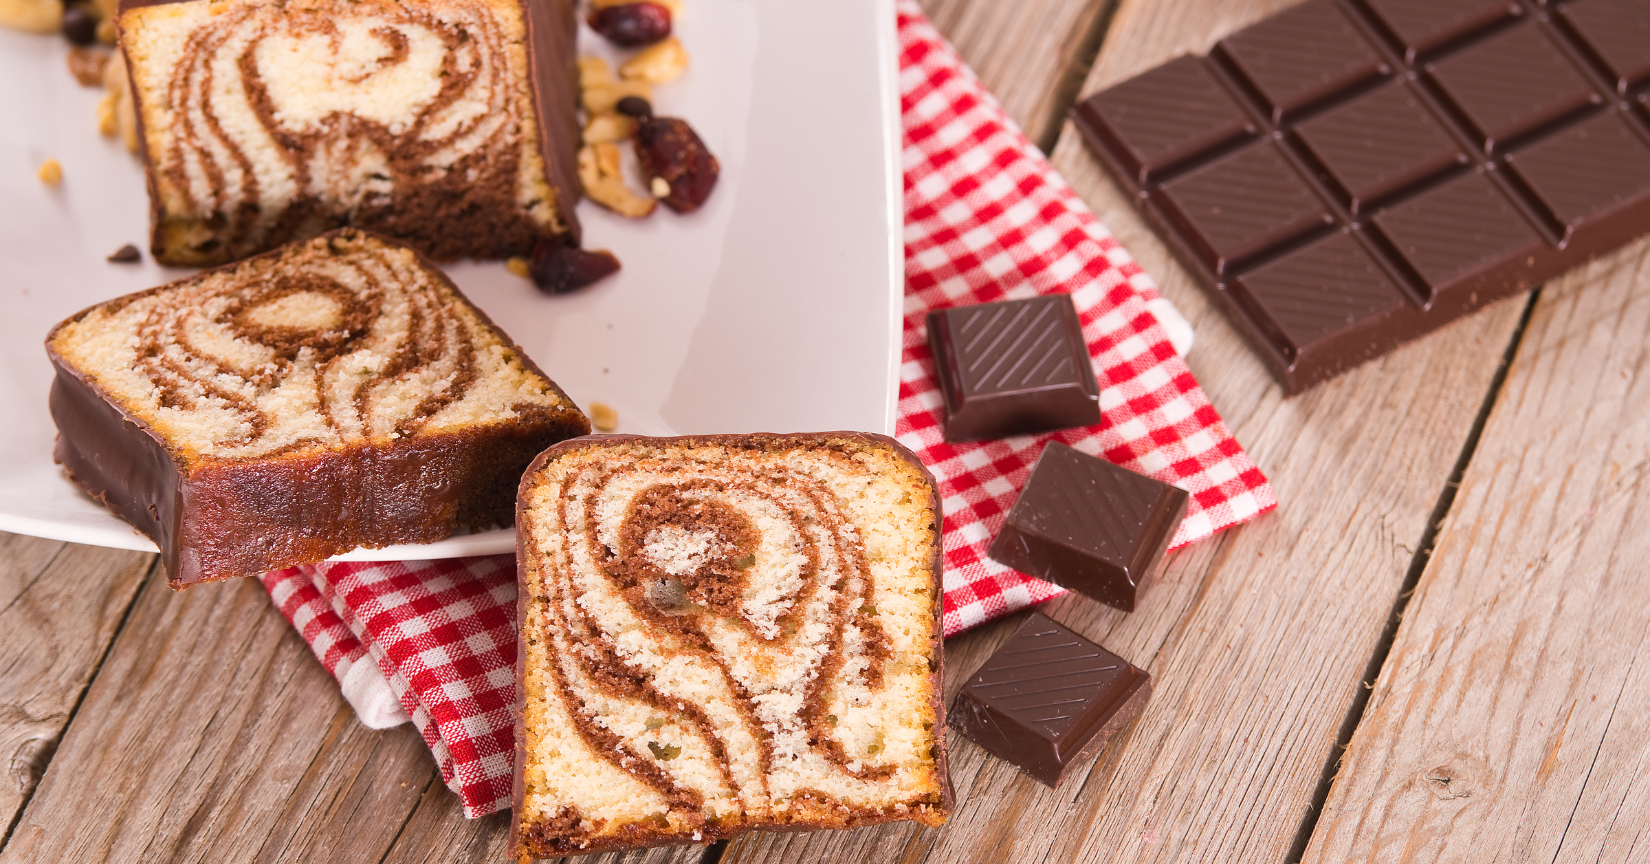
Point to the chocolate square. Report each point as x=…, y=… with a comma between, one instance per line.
x=1161, y=120
x=1013, y=368
x=1297, y=59
x=1424, y=27
x=1244, y=206
x=1588, y=172
x=1462, y=230
x=1090, y=526
x=1618, y=34
x=1510, y=88
x=1380, y=146
x=1049, y=700
x=1318, y=293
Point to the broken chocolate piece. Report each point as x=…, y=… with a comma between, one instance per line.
x=1049, y=700
x=1090, y=526
x=1344, y=177
x=1013, y=368
x=127, y=254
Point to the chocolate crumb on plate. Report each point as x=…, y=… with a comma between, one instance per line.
x=127, y=254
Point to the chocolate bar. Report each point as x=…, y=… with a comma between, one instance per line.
x=1049, y=699
x=1013, y=368
x=1090, y=526
x=1349, y=175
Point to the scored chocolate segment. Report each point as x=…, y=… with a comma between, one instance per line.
x=1618, y=34
x=1319, y=293
x=1425, y=27
x=1090, y=526
x=1509, y=88
x=1380, y=146
x=1159, y=120
x=1588, y=172
x=1301, y=57
x=1013, y=368
x=1459, y=232
x=1048, y=699
x=1241, y=208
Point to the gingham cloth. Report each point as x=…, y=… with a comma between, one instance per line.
x=986, y=218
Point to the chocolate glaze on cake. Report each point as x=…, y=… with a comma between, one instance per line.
x=332, y=394
x=449, y=124
x=714, y=639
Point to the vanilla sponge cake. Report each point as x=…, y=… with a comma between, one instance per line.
x=726, y=632
x=335, y=393
x=449, y=124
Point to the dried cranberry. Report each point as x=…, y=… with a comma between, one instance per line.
x=79, y=26
x=670, y=150
x=632, y=25
x=558, y=269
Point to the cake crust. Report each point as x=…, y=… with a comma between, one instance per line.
x=484, y=183
x=568, y=833
x=127, y=435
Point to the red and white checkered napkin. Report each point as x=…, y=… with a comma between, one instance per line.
x=986, y=219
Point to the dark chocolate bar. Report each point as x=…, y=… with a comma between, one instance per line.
x=1348, y=175
x=1090, y=526
x=1013, y=368
x=1049, y=699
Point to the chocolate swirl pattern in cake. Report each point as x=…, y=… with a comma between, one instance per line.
x=341, y=342
x=724, y=633
x=266, y=122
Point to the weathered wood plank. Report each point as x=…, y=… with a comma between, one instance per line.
x=212, y=734
x=1258, y=639
x=60, y=605
x=1511, y=721
x=1032, y=54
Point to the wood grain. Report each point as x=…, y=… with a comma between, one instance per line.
x=60, y=605
x=1031, y=54
x=1258, y=639
x=1512, y=719
x=212, y=734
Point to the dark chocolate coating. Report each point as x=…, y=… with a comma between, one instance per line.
x=217, y=520
x=1349, y=175
x=1048, y=700
x=1013, y=368
x=1090, y=526
x=526, y=844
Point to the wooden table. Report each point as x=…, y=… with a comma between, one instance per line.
x=1428, y=653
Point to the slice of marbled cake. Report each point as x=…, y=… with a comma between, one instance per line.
x=448, y=124
x=726, y=632
x=337, y=392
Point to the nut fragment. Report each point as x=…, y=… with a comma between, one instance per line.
x=32, y=16
x=599, y=172
x=519, y=266
x=50, y=172
x=660, y=188
x=594, y=72
x=609, y=128
x=558, y=269
x=603, y=417
x=125, y=111
x=632, y=25
x=663, y=62
x=106, y=32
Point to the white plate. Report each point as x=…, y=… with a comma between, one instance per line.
x=775, y=308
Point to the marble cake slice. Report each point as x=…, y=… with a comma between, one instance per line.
x=449, y=124
x=335, y=393
x=726, y=632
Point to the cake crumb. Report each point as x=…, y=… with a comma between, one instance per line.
x=50, y=172
x=603, y=417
